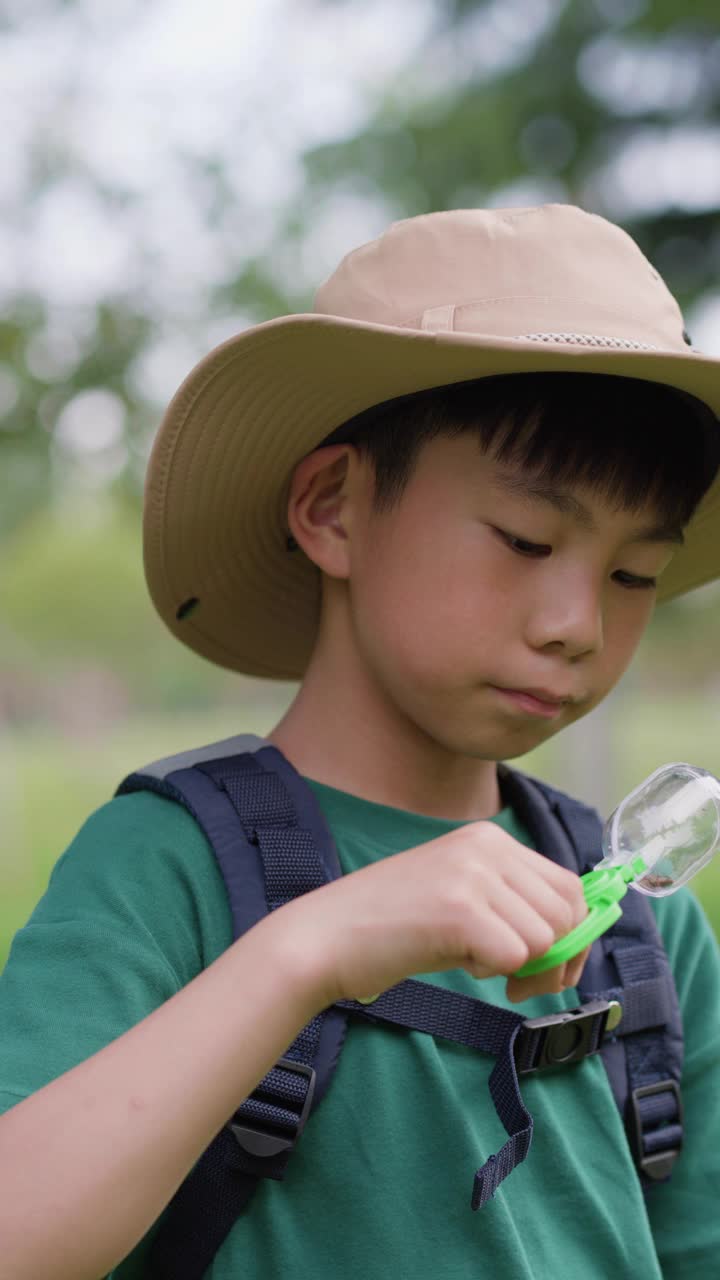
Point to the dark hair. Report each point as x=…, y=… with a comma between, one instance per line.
x=630, y=441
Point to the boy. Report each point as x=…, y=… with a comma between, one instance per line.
x=455, y=575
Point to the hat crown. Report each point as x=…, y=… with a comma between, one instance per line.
x=554, y=269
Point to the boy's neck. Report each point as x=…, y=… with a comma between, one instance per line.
x=340, y=731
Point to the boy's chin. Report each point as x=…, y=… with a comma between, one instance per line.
x=503, y=742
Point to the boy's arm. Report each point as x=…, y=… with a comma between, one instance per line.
x=124, y=1128
x=114, y=1121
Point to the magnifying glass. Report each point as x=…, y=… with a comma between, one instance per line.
x=656, y=840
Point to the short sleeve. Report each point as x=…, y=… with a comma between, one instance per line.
x=135, y=908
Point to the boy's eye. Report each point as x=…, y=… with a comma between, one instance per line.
x=632, y=581
x=522, y=546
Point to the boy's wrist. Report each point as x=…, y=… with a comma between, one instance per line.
x=295, y=955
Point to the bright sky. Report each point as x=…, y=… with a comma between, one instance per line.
x=137, y=94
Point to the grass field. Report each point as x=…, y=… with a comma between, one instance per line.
x=50, y=783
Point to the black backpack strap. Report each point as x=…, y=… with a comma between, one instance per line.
x=272, y=844
x=629, y=964
x=646, y=1084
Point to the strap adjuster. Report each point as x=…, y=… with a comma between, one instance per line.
x=271, y=1141
x=557, y=1039
x=656, y=1147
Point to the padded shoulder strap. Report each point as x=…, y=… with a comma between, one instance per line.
x=628, y=963
x=562, y=828
x=272, y=844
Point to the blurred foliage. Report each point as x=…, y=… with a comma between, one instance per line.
x=113, y=335
x=547, y=94
x=78, y=628
x=507, y=101
x=599, y=75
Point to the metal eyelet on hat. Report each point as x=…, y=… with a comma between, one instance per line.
x=186, y=608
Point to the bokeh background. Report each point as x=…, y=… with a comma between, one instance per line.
x=172, y=172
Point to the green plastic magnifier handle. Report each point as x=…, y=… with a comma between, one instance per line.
x=603, y=891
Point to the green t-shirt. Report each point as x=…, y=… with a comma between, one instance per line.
x=381, y=1179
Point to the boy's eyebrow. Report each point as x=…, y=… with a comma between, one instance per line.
x=568, y=505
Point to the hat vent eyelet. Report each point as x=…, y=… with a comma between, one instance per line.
x=186, y=608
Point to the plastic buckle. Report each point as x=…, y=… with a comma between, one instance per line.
x=657, y=1165
x=561, y=1038
x=262, y=1142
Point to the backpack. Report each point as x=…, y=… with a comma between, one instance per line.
x=272, y=844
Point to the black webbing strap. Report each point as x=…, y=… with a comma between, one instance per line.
x=654, y=1111
x=419, y=1006
x=520, y=1045
x=272, y=815
x=272, y=845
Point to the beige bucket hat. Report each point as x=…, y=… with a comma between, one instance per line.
x=436, y=299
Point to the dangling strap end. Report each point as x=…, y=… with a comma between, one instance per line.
x=484, y=1184
x=497, y=1167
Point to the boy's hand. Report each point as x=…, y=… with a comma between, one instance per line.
x=474, y=899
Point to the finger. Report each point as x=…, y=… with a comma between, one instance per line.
x=551, y=982
x=564, y=881
x=562, y=911
x=574, y=968
x=496, y=946
x=523, y=917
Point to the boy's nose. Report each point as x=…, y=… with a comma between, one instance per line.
x=570, y=619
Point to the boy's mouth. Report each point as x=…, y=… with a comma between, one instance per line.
x=536, y=702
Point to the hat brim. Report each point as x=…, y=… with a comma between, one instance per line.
x=215, y=522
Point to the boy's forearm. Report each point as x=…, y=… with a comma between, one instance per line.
x=89, y=1162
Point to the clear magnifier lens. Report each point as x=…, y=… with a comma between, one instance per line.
x=672, y=821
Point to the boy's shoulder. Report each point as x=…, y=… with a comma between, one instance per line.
x=689, y=941
x=141, y=830
x=241, y=743
x=140, y=866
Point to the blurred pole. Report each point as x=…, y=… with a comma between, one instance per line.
x=585, y=758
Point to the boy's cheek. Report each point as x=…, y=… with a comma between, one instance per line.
x=427, y=647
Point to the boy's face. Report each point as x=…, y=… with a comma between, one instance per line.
x=489, y=617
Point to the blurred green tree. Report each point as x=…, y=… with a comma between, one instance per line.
x=612, y=104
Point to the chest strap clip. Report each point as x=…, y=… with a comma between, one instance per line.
x=557, y=1039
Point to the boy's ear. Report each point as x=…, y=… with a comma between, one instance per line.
x=323, y=490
